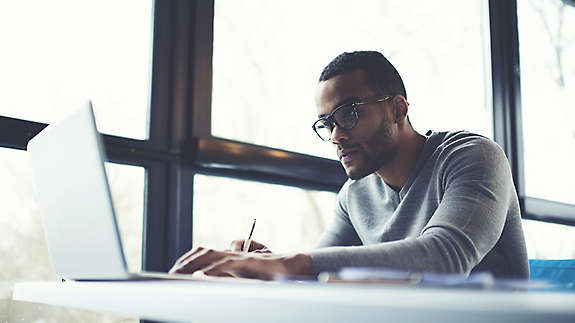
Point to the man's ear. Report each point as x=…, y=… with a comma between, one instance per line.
x=400, y=108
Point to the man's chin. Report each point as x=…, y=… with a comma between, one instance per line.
x=355, y=174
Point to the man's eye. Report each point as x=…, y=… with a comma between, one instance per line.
x=348, y=111
x=345, y=113
x=325, y=124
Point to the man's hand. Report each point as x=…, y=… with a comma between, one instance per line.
x=255, y=246
x=264, y=266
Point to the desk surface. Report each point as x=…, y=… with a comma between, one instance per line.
x=184, y=301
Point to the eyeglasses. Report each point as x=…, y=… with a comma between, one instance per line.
x=344, y=116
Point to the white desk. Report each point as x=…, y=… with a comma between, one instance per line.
x=232, y=302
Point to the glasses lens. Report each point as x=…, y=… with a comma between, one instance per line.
x=346, y=116
x=323, y=129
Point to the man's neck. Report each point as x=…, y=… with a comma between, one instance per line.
x=397, y=171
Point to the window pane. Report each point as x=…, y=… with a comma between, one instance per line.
x=268, y=56
x=127, y=184
x=23, y=251
x=549, y=240
x=58, y=54
x=547, y=52
x=288, y=218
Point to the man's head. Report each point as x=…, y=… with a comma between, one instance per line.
x=383, y=78
x=368, y=134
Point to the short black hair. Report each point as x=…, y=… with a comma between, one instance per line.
x=382, y=76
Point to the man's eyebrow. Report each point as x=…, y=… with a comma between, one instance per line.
x=347, y=100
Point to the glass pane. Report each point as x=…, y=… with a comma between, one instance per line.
x=549, y=240
x=127, y=184
x=23, y=251
x=268, y=56
x=288, y=218
x=58, y=54
x=547, y=52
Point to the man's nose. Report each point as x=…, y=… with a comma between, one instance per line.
x=339, y=135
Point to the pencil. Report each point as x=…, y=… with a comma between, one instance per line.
x=248, y=241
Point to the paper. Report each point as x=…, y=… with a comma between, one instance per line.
x=482, y=280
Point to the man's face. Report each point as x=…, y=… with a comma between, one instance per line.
x=371, y=143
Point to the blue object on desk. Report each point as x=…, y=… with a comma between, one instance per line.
x=558, y=272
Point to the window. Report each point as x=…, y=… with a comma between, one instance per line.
x=288, y=218
x=549, y=240
x=64, y=54
x=23, y=249
x=547, y=48
x=265, y=70
x=127, y=187
x=22, y=227
x=20, y=222
x=263, y=75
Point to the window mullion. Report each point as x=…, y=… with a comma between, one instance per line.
x=506, y=86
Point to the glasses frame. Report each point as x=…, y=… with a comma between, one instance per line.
x=354, y=106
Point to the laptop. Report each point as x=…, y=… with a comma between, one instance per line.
x=75, y=202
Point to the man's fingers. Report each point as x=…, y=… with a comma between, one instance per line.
x=255, y=246
x=180, y=262
x=198, y=260
x=189, y=254
x=218, y=268
x=225, y=268
x=221, y=274
x=240, y=267
x=237, y=245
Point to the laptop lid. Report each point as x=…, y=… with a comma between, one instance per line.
x=74, y=199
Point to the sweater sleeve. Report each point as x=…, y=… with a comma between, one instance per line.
x=340, y=231
x=463, y=229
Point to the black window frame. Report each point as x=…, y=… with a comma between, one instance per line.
x=507, y=118
x=181, y=145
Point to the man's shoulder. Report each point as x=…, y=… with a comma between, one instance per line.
x=451, y=139
x=463, y=142
x=465, y=149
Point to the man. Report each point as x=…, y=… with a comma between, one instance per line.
x=443, y=203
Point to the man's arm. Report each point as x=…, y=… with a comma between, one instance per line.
x=463, y=229
x=262, y=264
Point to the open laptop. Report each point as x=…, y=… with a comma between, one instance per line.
x=75, y=202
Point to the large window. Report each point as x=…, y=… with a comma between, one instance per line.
x=250, y=68
x=127, y=187
x=547, y=53
x=549, y=240
x=23, y=251
x=288, y=218
x=268, y=56
x=55, y=56
x=58, y=54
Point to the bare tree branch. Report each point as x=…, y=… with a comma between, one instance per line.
x=556, y=42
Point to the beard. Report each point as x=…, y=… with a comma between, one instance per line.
x=379, y=150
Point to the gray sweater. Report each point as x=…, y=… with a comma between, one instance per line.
x=458, y=212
